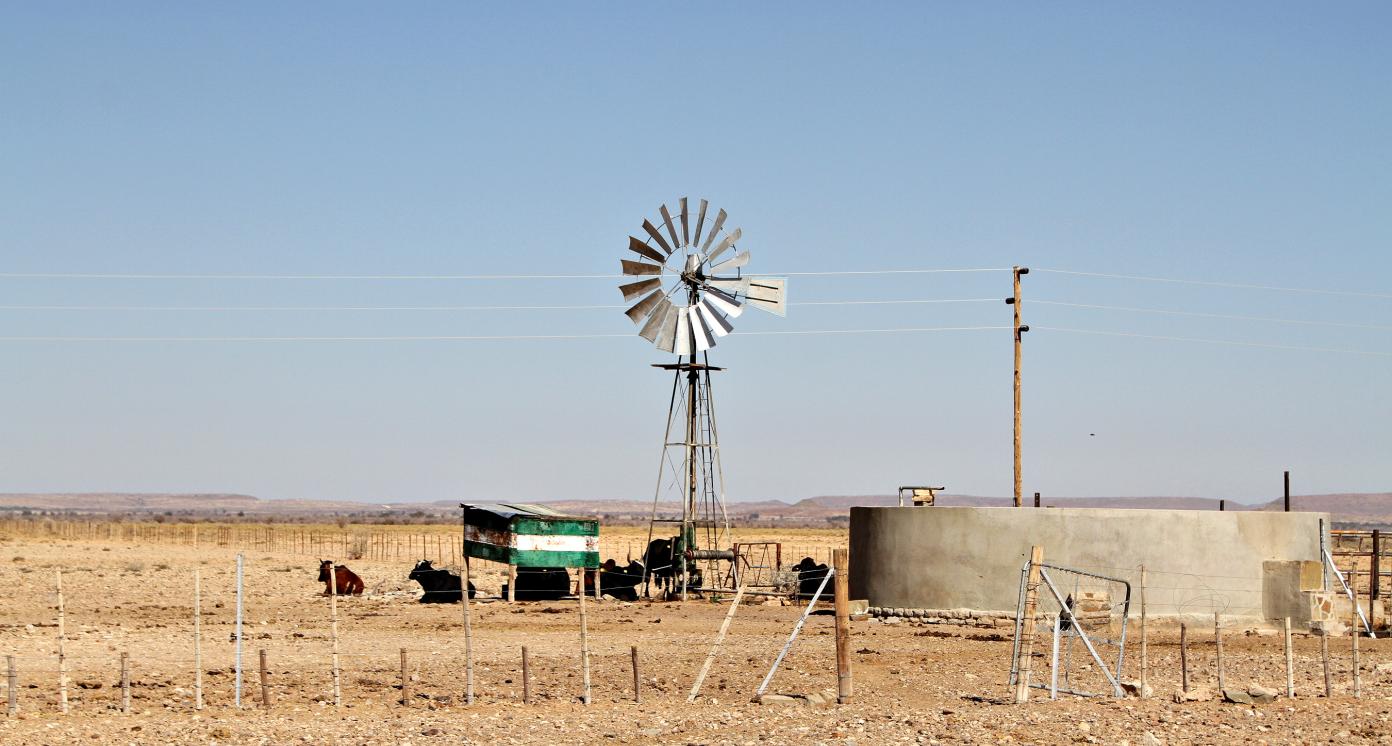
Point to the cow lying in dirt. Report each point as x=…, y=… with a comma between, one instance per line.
x=345, y=581
x=541, y=584
x=619, y=582
x=441, y=586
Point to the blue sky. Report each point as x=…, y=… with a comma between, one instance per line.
x=1244, y=143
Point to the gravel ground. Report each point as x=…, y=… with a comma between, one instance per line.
x=913, y=683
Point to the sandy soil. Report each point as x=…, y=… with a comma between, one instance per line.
x=913, y=684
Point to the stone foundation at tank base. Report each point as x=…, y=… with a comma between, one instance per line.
x=962, y=617
x=962, y=565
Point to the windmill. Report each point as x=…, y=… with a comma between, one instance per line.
x=688, y=285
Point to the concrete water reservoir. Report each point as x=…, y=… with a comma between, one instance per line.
x=1238, y=563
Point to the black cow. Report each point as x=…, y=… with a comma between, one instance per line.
x=541, y=583
x=810, y=576
x=664, y=567
x=619, y=582
x=440, y=586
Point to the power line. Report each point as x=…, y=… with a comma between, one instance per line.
x=151, y=276
x=484, y=338
x=1173, y=312
x=1209, y=283
x=451, y=308
x=1231, y=342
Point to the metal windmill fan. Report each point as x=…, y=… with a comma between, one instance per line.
x=689, y=291
x=690, y=285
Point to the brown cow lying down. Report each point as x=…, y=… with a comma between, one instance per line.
x=346, y=581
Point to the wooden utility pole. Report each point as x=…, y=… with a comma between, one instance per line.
x=1026, y=642
x=1016, y=300
x=1286, y=479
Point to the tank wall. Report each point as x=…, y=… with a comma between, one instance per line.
x=961, y=557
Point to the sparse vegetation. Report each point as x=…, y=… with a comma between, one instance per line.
x=135, y=568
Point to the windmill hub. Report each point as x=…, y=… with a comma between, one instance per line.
x=690, y=267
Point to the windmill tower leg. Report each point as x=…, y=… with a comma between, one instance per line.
x=688, y=527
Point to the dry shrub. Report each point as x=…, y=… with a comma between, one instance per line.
x=135, y=567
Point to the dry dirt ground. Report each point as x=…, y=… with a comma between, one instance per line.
x=913, y=684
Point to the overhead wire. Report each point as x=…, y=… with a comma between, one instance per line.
x=1214, y=283
x=1199, y=314
x=155, y=276
x=1233, y=342
x=478, y=338
x=606, y=307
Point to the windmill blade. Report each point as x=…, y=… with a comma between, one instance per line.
x=714, y=321
x=731, y=285
x=700, y=220
x=734, y=262
x=686, y=237
x=634, y=289
x=667, y=220
x=700, y=331
x=724, y=245
x=651, y=329
x=715, y=228
x=727, y=303
x=644, y=250
x=666, y=327
x=645, y=306
x=682, y=344
x=652, y=231
x=640, y=268
x=769, y=294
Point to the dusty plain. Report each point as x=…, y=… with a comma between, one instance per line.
x=912, y=683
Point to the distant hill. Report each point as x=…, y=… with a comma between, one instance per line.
x=1364, y=509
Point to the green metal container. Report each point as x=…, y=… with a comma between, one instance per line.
x=530, y=536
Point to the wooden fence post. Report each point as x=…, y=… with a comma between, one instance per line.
x=333, y=629
x=1357, y=673
x=197, y=643
x=1324, y=653
x=405, y=682
x=842, y=599
x=1027, y=628
x=12, y=680
x=62, y=657
x=637, y=695
x=1290, y=658
x=125, y=683
x=584, y=641
x=1184, y=656
x=1218, y=642
x=1375, y=573
x=1145, y=641
x=526, y=677
x=468, y=637
x=265, y=680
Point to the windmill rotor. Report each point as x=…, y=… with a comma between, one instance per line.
x=688, y=281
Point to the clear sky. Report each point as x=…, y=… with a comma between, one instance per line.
x=1226, y=142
